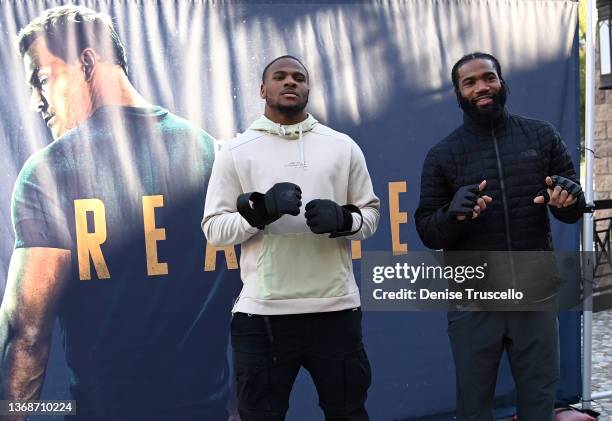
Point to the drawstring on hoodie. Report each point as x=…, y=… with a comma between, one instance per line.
x=281, y=130
x=301, y=145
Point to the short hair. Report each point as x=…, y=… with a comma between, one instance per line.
x=263, y=74
x=474, y=56
x=69, y=29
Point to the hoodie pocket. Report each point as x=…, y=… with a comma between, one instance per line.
x=302, y=265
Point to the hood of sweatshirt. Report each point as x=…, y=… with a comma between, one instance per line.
x=291, y=132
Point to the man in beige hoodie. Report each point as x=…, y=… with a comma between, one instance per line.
x=299, y=305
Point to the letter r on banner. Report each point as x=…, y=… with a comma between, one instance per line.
x=88, y=243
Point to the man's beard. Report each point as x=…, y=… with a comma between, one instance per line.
x=487, y=115
x=288, y=110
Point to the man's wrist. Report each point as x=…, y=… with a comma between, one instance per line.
x=350, y=215
x=248, y=227
x=347, y=220
x=453, y=219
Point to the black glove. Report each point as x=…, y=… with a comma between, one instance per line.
x=326, y=216
x=282, y=198
x=464, y=201
x=570, y=186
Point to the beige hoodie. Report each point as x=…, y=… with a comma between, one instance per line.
x=285, y=268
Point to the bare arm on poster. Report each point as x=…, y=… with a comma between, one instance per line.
x=36, y=281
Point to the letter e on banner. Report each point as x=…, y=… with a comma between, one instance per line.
x=153, y=234
x=396, y=217
x=88, y=243
x=356, y=249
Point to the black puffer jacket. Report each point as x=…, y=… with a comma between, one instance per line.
x=515, y=155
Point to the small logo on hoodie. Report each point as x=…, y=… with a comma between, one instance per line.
x=297, y=164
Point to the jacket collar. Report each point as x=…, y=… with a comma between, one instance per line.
x=497, y=125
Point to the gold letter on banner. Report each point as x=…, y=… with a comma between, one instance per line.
x=396, y=217
x=210, y=260
x=356, y=249
x=153, y=234
x=88, y=243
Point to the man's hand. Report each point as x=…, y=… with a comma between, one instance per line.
x=283, y=198
x=326, y=216
x=468, y=201
x=260, y=210
x=560, y=192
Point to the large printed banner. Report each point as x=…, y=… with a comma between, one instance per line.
x=379, y=71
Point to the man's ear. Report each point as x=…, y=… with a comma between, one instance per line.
x=505, y=85
x=457, y=96
x=88, y=59
x=262, y=91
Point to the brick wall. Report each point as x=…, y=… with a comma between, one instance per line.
x=603, y=144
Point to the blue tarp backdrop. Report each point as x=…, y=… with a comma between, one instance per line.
x=379, y=71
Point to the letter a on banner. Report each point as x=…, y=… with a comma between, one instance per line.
x=88, y=243
x=210, y=259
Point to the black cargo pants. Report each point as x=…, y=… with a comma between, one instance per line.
x=269, y=351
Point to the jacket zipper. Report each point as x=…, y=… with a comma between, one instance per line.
x=502, y=185
x=500, y=172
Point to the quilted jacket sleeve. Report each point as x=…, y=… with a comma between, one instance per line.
x=561, y=164
x=437, y=229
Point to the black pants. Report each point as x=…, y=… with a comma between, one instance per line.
x=269, y=351
x=531, y=340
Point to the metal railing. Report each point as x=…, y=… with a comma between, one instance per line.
x=602, y=241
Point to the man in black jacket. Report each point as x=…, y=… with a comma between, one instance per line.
x=484, y=187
